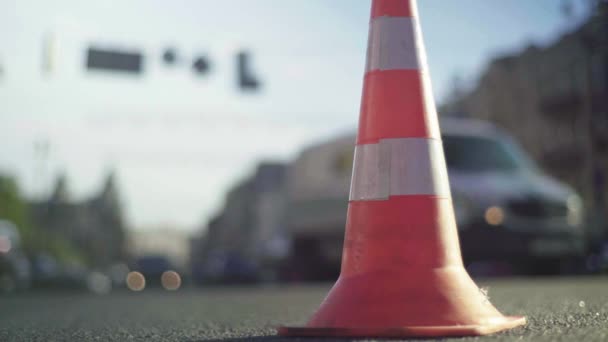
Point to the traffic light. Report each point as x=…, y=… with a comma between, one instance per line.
x=114, y=60
x=170, y=56
x=120, y=61
x=201, y=65
x=245, y=78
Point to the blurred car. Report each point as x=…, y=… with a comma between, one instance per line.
x=152, y=268
x=508, y=211
x=506, y=207
x=14, y=266
x=50, y=273
x=229, y=268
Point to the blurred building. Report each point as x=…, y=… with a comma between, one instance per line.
x=317, y=189
x=246, y=238
x=95, y=226
x=554, y=100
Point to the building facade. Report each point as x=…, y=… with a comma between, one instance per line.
x=247, y=236
x=554, y=100
x=95, y=226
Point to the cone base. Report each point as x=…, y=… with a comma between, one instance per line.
x=504, y=323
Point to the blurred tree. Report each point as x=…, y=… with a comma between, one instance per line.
x=63, y=250
x=34, y=240
x=12, y=207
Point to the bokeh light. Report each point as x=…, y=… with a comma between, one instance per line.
x=99, y=283
x=5, y=244
x=171, y=280
x=136, y=281
x=494, y=216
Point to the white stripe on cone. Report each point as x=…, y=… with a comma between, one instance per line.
x=393, y=44
x=402, y=166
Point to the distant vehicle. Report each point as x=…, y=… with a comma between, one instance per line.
x=50, y=273
x=14, y=266
x=506, y=207
x=152, y=268
x=228, y=268
x=507, y=210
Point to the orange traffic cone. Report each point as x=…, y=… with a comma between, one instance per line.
x=402, y=272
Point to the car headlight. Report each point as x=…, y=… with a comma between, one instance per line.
x=575, y=210
x=494, y=215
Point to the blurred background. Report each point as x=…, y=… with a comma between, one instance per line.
x=193, y=143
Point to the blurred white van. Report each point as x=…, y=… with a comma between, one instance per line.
x=508, y=210
x=506, y=207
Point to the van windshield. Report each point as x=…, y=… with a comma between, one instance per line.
x=478, y=154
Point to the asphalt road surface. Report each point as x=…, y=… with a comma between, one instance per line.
x=558, y=309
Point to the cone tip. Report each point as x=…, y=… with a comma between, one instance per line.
x=392, y=8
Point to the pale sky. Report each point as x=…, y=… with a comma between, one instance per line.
x=178, y=141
